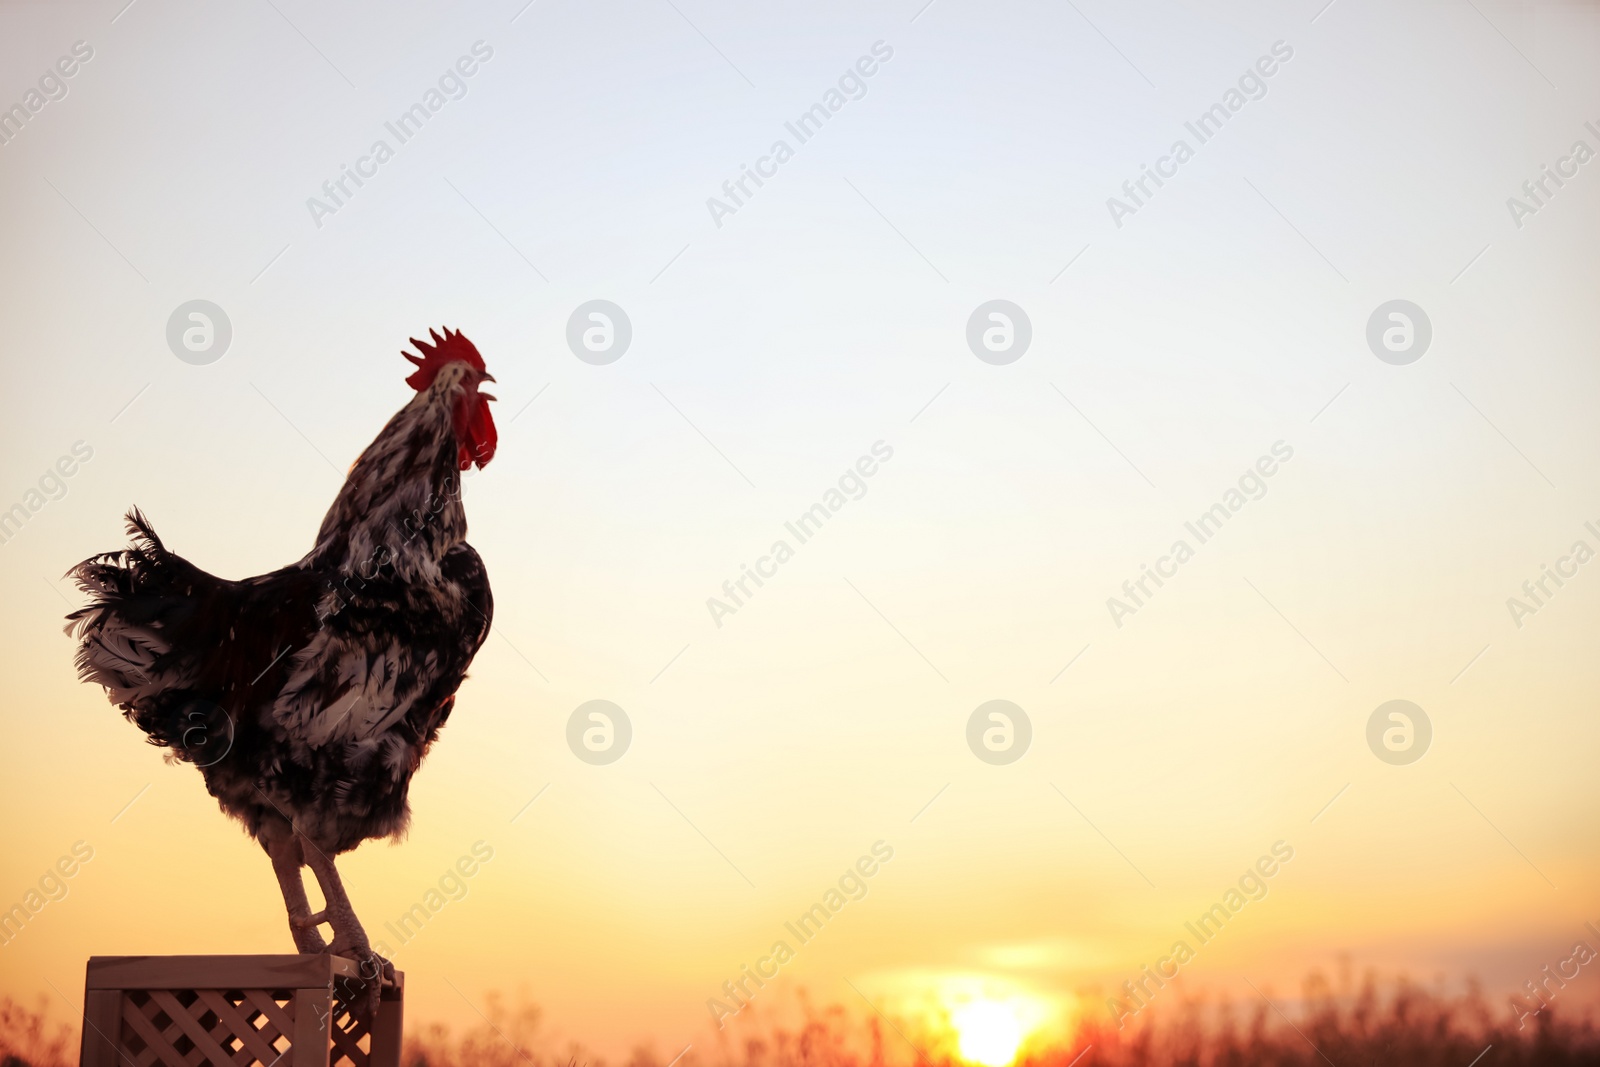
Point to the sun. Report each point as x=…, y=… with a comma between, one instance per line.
x=988, y=1032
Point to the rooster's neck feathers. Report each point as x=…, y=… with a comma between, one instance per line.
x=400, y=508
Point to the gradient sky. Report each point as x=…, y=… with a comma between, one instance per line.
x=769, y=353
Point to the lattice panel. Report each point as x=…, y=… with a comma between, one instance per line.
x=352, y=1041
x=245, y=1028
x=185, y=1028
x=177, y=1012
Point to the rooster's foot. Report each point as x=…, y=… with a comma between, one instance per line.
x=362, y=994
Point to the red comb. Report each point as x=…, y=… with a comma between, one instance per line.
x=447, y=349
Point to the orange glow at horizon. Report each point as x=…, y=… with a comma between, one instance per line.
x=988, y=1032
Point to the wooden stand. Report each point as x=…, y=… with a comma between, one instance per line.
x=234, y=1011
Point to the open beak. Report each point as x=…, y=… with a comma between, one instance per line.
x=487, y=377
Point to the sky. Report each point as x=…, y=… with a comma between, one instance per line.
x=1380, y=509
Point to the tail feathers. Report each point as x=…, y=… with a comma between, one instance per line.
x=121, y=658
x=144, y=536
x=121, y=574
x=133, y=593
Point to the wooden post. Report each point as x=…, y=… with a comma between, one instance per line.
x=311, y=1012
x=386, y=1029
x=102, y=1023
x=233, y=1011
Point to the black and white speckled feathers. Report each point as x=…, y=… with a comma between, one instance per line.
x=308, y=696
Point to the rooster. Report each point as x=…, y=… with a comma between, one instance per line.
x=308, y=697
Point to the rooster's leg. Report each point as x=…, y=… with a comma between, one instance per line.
x=349, y=938
x=286, y=863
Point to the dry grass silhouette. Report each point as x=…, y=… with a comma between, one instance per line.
x=1408, y=1027
x=28, y=1039
x=1405, y=1026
